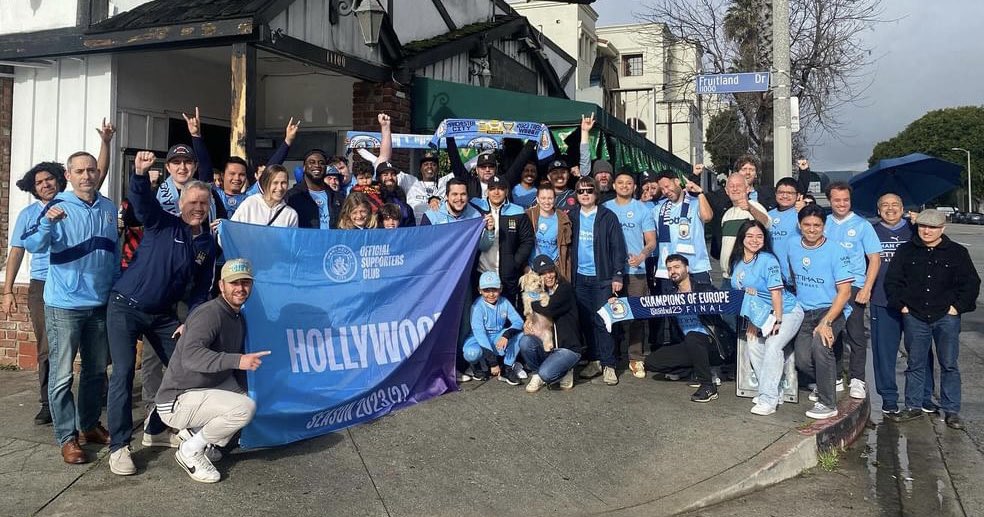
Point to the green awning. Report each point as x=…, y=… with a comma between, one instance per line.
x=434, y=101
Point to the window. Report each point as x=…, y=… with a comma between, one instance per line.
x=638, y=125
x=632, y=65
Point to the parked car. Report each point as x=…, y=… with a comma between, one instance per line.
x=947, y=210
x=974, y=218
x=958, y=217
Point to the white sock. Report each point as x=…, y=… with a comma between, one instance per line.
x=194, y=445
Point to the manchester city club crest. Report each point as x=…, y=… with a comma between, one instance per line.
x=619, y=310
x=629, y=215
x=776, y=221
x=340, y=263
x=806, y=261
x=232, y=201
x=543, y=227
x=852, y=232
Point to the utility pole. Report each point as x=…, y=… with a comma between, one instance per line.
x=781, y=116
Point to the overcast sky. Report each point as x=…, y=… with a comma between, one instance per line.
x=931, y=57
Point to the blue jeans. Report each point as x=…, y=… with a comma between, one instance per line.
x=919, y=338
x=767, y=357
x=550, y=366
x=126, y=324
x=72, y=332
x=473, y=351
x=591, y=294
x=886, y=334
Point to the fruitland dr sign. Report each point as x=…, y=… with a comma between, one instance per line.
x=733, y=83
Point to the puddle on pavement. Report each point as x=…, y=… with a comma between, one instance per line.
x=904, y=470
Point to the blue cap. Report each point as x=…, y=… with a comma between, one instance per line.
x=489, y=280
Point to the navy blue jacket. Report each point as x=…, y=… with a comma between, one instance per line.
x=168, y=259
x=609, y=245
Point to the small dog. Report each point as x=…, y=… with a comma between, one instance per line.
x=532, y=286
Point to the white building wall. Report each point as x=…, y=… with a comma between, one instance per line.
x=34, y=15
x=572, y=28
x=55, y=112
x=456, y=68
x=308, y=20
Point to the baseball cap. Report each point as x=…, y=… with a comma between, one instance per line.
x=385, y=166
x=625, y=172
x=181, y=151
x=429, y=157
x=498, y=181
x=489, y=280
x=601, y=166
x=331, y=170
x=237, y=269
x=931, y=217
x=557, y=164
x=486, y=158
x=542, y=264
x=647, y=176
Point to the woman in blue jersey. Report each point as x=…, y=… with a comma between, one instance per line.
x=551, y=230
x=773, y=314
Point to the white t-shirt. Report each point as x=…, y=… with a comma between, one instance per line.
x=254, y=210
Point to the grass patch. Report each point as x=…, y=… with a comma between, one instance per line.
x=829, y=460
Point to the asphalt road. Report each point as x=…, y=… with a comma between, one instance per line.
x=918, y=468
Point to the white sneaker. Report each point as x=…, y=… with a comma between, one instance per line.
x=814, y=395
x=839, y=387
x=716, y=375
x=763, y=409
x=197, y=466
x=462, y=377
x=212, y=452
x=165, y=439
x=821, y=412
x=567, y=381
x=521, y=371
x=593, y=369
x=535, y=384
x=610, y=377
x=120, y=462
x=857, y=389
x=755, y=400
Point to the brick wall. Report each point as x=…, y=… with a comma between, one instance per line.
x=17, y=345
x=370, y=99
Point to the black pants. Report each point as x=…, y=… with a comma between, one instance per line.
x=854, y=339
x=697, y=351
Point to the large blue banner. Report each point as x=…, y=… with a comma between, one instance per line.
x=359, y=322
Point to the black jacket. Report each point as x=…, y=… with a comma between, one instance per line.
x=512, y=174
x=308, y=216
x=609, y=249
x=724, y=339
x=929, y=280
x=516, y=238
x=562, y=309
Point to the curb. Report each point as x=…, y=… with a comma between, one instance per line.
x=794, y=452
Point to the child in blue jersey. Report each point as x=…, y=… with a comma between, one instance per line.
x=822, y=280
x=755, y=270
x=496, y=330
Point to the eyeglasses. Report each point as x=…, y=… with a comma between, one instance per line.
x=585, y=191
x=786, y=192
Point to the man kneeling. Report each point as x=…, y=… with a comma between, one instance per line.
x=706, y=339
x=202, y=394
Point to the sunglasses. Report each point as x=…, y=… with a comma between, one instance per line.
x=585, y=191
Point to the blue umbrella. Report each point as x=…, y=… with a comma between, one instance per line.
x=916, y=178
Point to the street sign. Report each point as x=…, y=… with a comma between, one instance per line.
x=733, y=83
x=794, y=114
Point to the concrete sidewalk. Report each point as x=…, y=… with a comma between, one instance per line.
x=641, y=448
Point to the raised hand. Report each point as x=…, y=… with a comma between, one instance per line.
x=385, y=123
x=194, y=123
x=55, y=214
x=106, y=132
x=291, y=132
x=587, y=122
x=143, y=161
